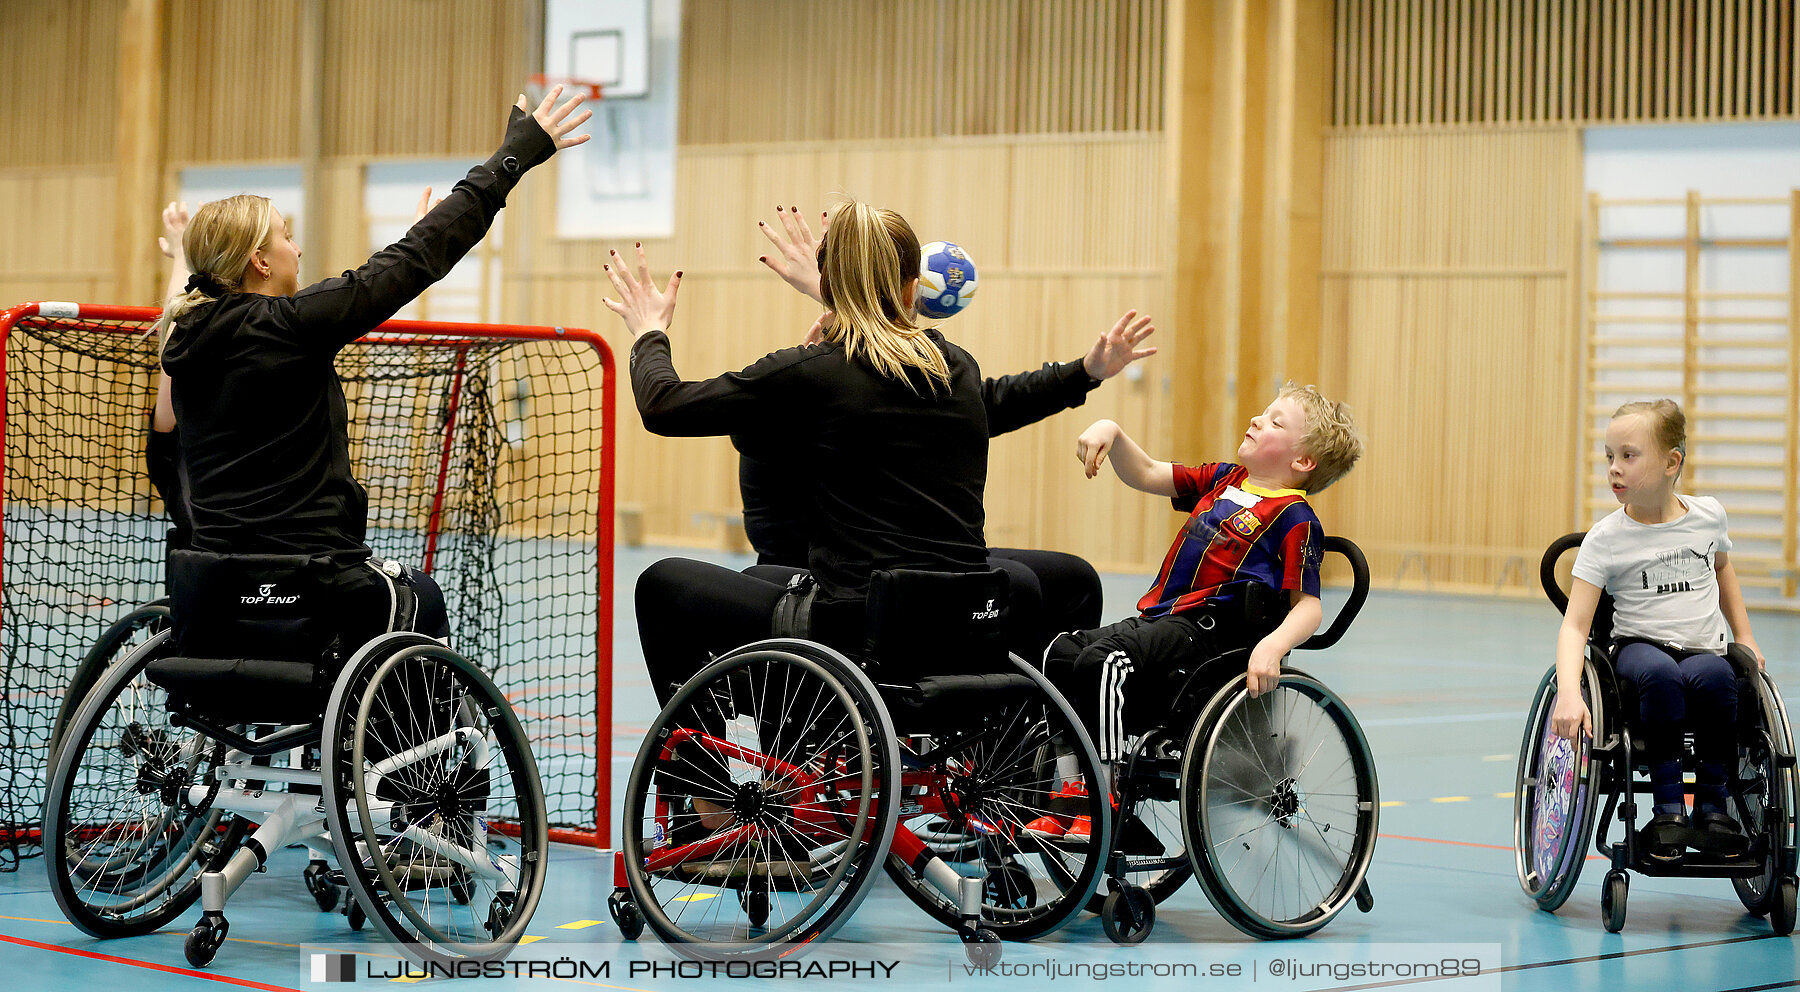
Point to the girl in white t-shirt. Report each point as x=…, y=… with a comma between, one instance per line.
x=1664, y=559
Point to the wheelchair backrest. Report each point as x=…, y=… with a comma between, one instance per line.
x=1600, y=634
x=936, y=623
x=271, y=607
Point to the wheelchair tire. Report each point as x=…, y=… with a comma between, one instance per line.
x=1063, y=876
x=806, y=851
x=433, y=801
x=1767, y=804
x=1249, y=805
x=125, y=838
x=124, y=634
x=1555, y=795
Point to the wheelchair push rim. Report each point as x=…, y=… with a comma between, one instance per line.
x=801, y=822
x=125, y=635
x=434, y=801
x=1555, y=795
x=1280, y=806
x=1763, y=793
x=129, y=824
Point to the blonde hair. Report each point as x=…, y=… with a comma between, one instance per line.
x=1331, y=437
x=1668, y=425
x=218, y=243
x=865, y=261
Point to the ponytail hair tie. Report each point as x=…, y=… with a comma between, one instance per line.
x=205, y=284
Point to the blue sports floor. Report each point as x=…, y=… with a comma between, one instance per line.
x=1440, y=684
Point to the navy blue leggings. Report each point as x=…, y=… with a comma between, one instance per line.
x=1698, y=691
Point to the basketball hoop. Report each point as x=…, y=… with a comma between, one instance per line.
x=541, y=83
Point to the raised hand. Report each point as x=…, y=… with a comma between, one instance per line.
x=175, y=222
x=555, y=120
x=1118, y=347
x=796, y=255
x=426, y=205
x=642, y=306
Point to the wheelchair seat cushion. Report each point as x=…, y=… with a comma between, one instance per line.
x=939, y=703
x=242, y=690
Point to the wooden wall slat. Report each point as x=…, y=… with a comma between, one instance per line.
x=1413, y=62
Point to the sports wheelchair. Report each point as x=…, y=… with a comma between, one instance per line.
x=180, y=772
x=1560, y=784
x=925, y=757
x=1272, y=801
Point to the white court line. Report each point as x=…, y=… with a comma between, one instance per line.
x=1407, y=721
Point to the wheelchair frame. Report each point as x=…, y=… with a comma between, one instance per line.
x=1165, y=765
x=1606, y=766
x=186, y=786
x=842, y=811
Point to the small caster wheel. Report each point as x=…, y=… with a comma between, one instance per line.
x=754, y=898
x=1781, y=910
x=1009, y=887
x=462, y=888
x=982, y=947
x=204, y=941
x=1365, y=900
x=500, y=912
x=630, y=920
x=1128, y=915
x=318, y=882
x=355, y=915
x=1612, y=900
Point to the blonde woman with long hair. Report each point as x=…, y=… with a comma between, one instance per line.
x=261, y=417
x=886, y=420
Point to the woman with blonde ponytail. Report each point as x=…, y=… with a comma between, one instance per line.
x=883, y=420
x=260, y=414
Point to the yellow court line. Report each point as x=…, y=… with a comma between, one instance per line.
x=578, y=925
x=529, y=940
x=696, y=897
x=1450, y=799
x=1505, y=795
x=1393, y=802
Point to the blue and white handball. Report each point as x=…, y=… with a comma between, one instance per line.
x=946, y=280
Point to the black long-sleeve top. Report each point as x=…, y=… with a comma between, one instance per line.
x=261, y=415
x=777, y=491
x=897, y=475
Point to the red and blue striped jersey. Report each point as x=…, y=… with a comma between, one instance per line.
x=1234, y=534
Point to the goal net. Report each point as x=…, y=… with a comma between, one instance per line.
x=487, y=452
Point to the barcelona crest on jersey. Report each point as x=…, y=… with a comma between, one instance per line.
x=1244, y=522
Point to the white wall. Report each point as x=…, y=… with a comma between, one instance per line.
x=1717, y=161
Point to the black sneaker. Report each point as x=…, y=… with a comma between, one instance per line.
x=1664, y=836
x=1717, y=833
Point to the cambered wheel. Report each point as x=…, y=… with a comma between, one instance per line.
x=119, y=639
x=1279, y=806
x=129, y=807
x=755, y=807
x=433, y=799
x=1555, y=795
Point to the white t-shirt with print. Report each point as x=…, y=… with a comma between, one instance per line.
x=1661, y=575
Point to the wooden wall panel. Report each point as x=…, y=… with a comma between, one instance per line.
x=59, y=81
x=232, y=77
x=1452, y=337
x=1408, y=62
x=1051, y=281
x=42, y=258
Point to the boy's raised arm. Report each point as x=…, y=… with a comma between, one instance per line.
x=1135, y=468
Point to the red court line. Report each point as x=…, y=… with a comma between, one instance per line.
x=241, y=982
x=1465, y=843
